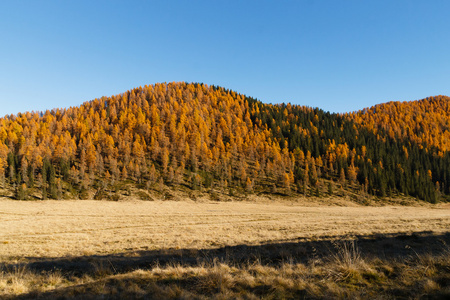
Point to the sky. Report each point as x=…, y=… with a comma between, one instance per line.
x=340, y=56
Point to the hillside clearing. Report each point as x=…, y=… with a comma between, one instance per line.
x=75, y=228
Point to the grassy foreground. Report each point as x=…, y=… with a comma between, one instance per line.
x=376, y=267
x=235, y=250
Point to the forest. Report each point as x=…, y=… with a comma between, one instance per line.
x=191, y=136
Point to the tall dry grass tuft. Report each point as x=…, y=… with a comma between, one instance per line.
x=347, y=255
x=19, y=280
x=217, y=278
x=348, y=266
x=15, y=281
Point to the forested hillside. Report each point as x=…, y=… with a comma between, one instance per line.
x=425, y=122
x=198, y=137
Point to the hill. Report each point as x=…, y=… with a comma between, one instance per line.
x=425, y=122
x=189, y=137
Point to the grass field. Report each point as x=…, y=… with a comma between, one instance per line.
x=185, y=249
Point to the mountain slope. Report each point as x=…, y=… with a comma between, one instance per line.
x=348, y=152
x=425, y=122
x=198, y=137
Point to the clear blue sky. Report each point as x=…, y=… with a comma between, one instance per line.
x=337, y=55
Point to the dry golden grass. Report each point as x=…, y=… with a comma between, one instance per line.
x=336, y=278
x=74, y=228
x=240, y=250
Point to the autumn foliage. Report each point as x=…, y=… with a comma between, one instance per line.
x=425, y=122
x=205, y=137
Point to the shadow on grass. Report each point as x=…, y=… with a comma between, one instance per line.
x=385, y=247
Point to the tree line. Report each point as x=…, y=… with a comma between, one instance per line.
x=199, y=136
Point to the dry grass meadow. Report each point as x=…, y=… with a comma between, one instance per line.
x=239, y=249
